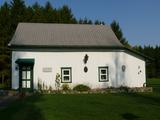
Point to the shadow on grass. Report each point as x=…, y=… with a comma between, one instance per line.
x=23, y=109
x=129, y=116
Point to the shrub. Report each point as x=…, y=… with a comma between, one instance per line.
x=81, y=88
x=124, y=88
x=57, y=81
x=65, y=87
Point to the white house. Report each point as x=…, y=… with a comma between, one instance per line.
x=81, y=54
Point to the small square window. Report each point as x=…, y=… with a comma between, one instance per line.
x=103, y=74
x=66, y=75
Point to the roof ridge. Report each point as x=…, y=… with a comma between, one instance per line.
x=63, y=24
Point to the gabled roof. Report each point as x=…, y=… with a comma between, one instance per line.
x=44, y=34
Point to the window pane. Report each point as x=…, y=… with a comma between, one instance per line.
x=23, y=84
x=28, y=74
x=23, y=74
x=103, y=77
x=103, y=71
x=66, y=72
x=66, y=78
x=28, y=84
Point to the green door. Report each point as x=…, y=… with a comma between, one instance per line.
x=26, y=78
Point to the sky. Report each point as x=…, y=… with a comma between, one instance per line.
x=138, y=19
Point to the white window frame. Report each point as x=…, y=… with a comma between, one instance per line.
x=68, y=75
x=106, y=74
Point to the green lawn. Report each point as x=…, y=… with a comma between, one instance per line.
x=155, y=83
x=142, y=106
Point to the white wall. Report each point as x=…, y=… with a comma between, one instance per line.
x=56, y=60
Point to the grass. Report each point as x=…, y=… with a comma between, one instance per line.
x=120, y=106
x=155, y=83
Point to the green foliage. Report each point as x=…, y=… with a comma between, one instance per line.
x=58, y=81
x=88, y=21
x=39, y=85
x=124, y=88
x=65, y=87
x=154, y=83
x=97, y=22
x=17, y=12
x=153, y=66
x=118, y=32
x=81, y=88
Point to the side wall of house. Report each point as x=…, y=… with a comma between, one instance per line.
x=132, y=76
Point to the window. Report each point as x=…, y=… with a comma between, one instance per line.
x=66, y=74
x=26, y=77
x=103, y=74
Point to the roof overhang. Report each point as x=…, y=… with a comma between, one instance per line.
x=25, y=61
x=77, y=48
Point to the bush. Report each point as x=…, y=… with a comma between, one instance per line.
x=81, y=88
x=65, y=87
x=124, y=88
x=4, y=86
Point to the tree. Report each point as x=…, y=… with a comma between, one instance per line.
x=97, y=22
x=153, y=66
x=49, y=13
x=65, y=15
x=17, y=12
x=4, y=25
x=28, y=14
x=4, y=68
x=38, y=16
x=118, y=32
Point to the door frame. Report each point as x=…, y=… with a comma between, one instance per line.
x=25, y=62
x=20, y=79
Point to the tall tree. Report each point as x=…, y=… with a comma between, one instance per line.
x=97, y=22
x=17, y=12
x=38, y=13
x=28, y=14
x=4, y=25
x=65, y=15
x=49, y=13
x=118, y=32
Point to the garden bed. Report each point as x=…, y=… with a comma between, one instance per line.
x=101, y=91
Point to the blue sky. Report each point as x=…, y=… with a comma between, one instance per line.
x=139, y=19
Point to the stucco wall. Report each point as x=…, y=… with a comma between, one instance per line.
x=56, y=60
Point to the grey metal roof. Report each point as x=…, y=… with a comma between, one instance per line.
x=44, y=34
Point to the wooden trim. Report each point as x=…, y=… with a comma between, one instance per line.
x=75, y=48
x=107, y=79
x=70, y=74
x=31, y=80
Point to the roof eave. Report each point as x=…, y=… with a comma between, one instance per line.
x=79, y=47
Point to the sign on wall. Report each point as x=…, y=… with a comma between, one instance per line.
x=47, y=69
